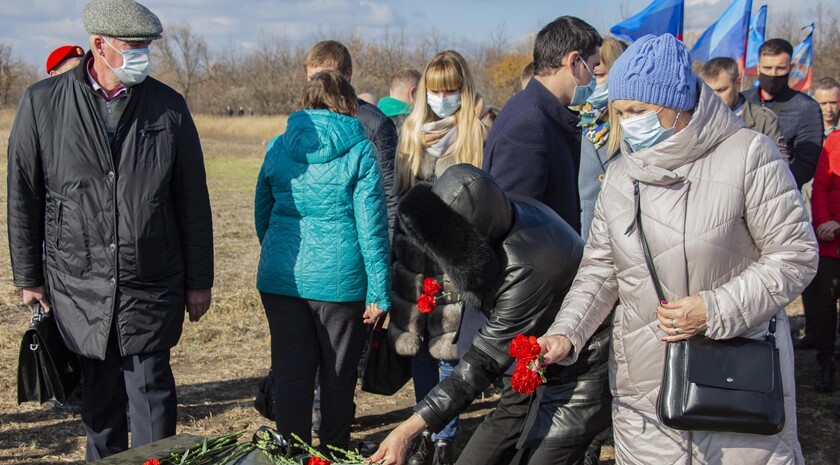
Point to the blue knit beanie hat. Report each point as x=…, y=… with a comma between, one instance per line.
x=657, y=70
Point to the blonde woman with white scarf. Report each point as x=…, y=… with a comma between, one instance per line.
x=443, y=129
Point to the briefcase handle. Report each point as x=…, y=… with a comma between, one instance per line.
x=37, y=315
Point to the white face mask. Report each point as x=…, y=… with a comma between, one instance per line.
x=135, y=65
x=444, y=106
x=645, y=130
x=600, y=97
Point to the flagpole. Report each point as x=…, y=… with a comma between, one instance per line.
x=743, y=75
x=746, y=48
x=744, y=63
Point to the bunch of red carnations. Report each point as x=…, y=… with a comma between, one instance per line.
x=428, y=299
x=529, y=373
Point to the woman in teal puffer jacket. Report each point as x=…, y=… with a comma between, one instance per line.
x=324, y=266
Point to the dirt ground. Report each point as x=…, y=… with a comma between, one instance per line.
x=219, y=360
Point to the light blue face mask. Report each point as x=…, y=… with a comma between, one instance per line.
x=600, y=96
x=135, y=66
x=444, y=106
x=582, y=93
x=644, y=131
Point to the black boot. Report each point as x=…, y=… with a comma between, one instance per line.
x=825, y=378
x=593, y=456
x=443, y=452
x=423, y=450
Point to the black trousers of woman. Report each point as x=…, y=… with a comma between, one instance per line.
x=306, y=335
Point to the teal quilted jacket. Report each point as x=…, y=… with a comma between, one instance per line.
x=320, y=213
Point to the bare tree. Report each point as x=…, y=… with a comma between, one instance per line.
x=784, y=24
x=15, y=75
x=274, y=75
x=826, y=41
x=184, y=57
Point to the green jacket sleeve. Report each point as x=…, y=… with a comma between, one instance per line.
x=372, y=227
x=263, y=198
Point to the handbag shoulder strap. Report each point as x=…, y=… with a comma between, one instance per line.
x=645, y=249
x=771, y=330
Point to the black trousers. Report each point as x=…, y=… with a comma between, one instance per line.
x=494, y=441
x=143, y=384
x=820, y=302
x=306, y=335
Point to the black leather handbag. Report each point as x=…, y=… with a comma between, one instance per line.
x=46, y=367
x=732, y=385
x=383, y=370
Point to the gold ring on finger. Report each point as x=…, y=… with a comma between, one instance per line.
x=677, y=331
x=673, y=323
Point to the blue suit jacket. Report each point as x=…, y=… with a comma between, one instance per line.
x=533, y=150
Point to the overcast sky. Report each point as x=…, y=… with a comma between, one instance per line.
x=36, y=27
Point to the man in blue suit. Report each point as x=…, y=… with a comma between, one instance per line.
x=534, y=146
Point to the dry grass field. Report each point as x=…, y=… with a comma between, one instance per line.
x=220, y=359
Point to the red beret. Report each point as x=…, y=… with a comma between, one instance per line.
x=62, y=53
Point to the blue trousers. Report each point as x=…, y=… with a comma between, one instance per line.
x=427, y=372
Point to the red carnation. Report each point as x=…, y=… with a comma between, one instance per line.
x=524, y=348
x=528, y=373
x=524, y=379
x=152, y=462
x=431, y=286
x=426, y=303
x=317, y=461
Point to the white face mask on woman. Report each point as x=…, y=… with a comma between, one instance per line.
x=135, y=67
x=600, y=97
x=645, y=130
x=444, y=106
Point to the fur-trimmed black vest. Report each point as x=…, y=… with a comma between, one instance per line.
x=408, y=327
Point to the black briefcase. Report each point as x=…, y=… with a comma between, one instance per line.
x=46, y=367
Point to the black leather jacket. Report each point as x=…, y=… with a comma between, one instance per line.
x=515, y=259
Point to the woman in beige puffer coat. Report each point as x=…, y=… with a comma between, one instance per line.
x=730, y=241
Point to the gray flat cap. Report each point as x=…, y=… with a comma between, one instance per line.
x=123, y=19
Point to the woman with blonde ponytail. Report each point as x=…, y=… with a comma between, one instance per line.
x=443, y=129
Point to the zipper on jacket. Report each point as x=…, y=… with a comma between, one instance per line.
x=636, y=194
x=150, y=131
x=59, y=223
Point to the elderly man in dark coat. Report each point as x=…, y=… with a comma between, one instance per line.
x=106, y=179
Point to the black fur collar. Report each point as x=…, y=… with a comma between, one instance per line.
x=452, y=241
